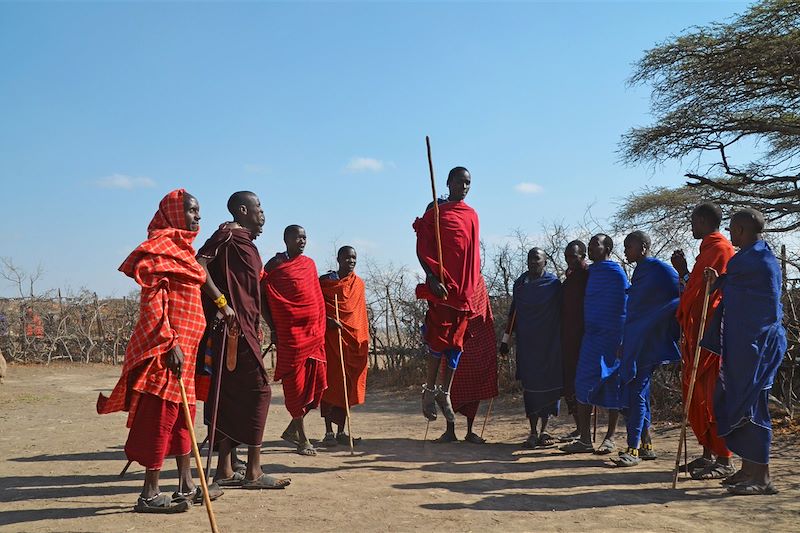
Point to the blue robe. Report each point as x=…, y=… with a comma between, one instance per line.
x=650, y=339
x=747, y=331
x=597, y=377
x=537, y=304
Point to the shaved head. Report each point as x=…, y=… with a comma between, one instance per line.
x=640, y=237
x=456, y=172
x=344, y=250
x=240, y=198
x=751, y=220
x=291, y=231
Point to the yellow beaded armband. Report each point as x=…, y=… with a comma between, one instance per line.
x=221, y=301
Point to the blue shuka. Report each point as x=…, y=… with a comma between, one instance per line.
x=650, y=339
x=747, y=331
x=537, y=304
x=597, y=376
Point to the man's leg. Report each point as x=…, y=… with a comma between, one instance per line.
x=613, y=417
x=584, y=442
x=584, y=416
x=452, y=356
x=429, y=388
x=544, y=420
x=449, y=434
x=224, y=468
x=151, y=488
x=185, y=481
x=253, y=463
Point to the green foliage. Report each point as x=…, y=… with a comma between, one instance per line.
x=724, y=89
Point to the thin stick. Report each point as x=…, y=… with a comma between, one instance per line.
x=215, y=407
x=438, y=234
x=509, y=330
x=124, y=470
x=344, y=375
x=594, y=417
x=690, y=393
x=198, y=460
x=686, y=455
x=486, y=418
x=435, y=212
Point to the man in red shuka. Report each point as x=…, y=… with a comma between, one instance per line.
x=295, y=312
x=448, y=286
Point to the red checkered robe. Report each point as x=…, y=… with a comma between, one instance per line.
x=476, y=376
x=170, y=311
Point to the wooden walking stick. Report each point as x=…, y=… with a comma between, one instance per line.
x=435, y=213
x=212, y=430
x=508, y=332
x=689, y=394
x=197, y=459
x=124, y=470
x=344, y=374
x=437, y=232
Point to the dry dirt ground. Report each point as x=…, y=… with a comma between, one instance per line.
x=59, y=465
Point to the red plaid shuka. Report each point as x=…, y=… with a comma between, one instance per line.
x=476, y=376
x=170, y=311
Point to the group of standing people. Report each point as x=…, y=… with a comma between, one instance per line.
x=594, y=338
x=199, y=323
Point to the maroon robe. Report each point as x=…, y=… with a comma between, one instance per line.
x=572, y=289
x=235, y=267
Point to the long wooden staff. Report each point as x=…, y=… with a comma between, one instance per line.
x=435, y=212
x=509, y=331
x=215, y=406
x=190, y=424
x=438, y=234
x=691, y=383
x=344, y=374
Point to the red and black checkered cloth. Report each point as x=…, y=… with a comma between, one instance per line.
x=476, y=376
x=170, y=311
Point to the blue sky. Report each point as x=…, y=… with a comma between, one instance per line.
x=320, y=108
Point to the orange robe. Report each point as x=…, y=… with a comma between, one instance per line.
x=715, y=252
x=355, y=340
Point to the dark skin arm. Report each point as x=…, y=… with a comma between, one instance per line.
x=211, y=290
x=678, y=261
x=432, y=280
x=509, y=331
x=175, y=360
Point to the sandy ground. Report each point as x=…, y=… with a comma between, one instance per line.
x=59, y=465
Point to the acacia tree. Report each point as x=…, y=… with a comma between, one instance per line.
x=730, y=91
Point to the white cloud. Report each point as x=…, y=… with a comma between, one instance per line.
x=254, y=168
x=364, y=164
x=121, y=181
x=528, y=188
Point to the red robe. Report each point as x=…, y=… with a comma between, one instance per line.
x=170, y=312
x=446, y=320
x=355, y=339
x=291, y=288
x=476, y=378
x=715, y=252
